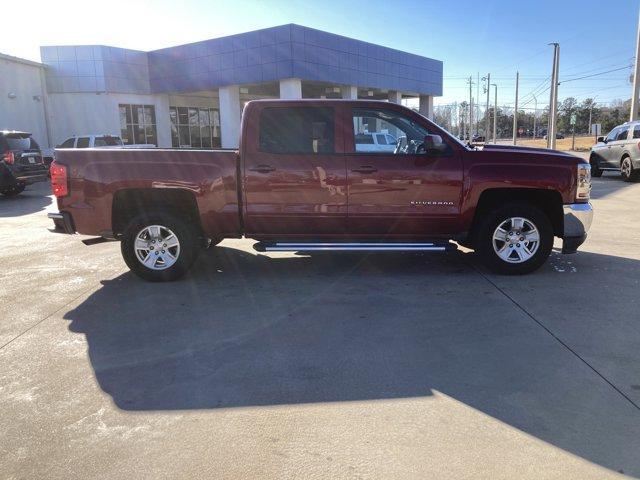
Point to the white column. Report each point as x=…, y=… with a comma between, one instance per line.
x=395, y=96
x=290, y=88
x=229, y=116
x=426, y=106
x=349, y=92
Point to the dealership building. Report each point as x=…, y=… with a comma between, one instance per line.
x=191, y=96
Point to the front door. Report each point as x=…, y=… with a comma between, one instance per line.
x=294, y=174
x=411, y=191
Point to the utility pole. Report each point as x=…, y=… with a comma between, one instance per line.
x=593, y=102
x=495, y=113
x=636, y=82
x=535, y=113
x=487, y=119
x=553, y=99
x=477, y=117
x=470, y=107
x=515, y=112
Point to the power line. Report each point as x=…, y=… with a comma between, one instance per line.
x=595, y=74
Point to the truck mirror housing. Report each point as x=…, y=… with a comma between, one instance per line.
x=600, y=139
x=434, y=142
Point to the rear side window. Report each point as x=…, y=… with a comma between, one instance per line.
x=622, y=134
x=68, y=143
x=636, y=130
x=107, y=142
x=83, y=142
x=299, y=130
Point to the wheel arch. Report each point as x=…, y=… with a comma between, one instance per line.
x=549, y=201
x=128, y=203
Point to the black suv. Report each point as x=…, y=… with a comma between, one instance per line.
x=21, y=162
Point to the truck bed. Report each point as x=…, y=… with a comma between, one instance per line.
x=96, y=176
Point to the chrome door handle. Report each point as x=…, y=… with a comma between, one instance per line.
x=365, y=169
x=262, y=168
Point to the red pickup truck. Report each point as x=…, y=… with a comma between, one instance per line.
x=301, y=181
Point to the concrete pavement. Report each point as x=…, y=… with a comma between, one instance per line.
x=323, y=366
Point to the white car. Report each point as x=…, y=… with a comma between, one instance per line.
x=375, y=142
x=98, y=141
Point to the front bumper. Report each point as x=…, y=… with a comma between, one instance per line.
x=577, y=222
x=63, y=222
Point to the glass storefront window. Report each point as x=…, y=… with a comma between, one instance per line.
x=194, y=127
x=138, y=124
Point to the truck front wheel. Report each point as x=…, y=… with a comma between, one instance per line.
x=515, y=239
x=159, y=247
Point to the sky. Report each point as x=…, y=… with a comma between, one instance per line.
x=498, y=37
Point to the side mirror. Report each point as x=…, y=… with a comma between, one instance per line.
x=434, y=143
x=600, y=140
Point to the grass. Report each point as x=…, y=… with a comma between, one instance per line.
x=583, y=143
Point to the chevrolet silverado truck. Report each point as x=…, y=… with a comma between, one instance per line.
x=299, y=182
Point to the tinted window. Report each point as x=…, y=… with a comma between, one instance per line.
x=68, y=143
x=296, y=130
x=83, y=142
x=20, y=142
x=106, y=142
x=622, y=134
x=636, y=130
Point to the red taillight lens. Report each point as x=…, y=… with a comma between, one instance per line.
x=59, y=179
x=9, y=158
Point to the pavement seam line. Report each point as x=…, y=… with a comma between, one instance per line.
x=93, y=287
x=558, y=339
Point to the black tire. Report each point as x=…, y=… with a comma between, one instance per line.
x=13, y=191
x=494, y=219
x=596, y=171
x=189, y=246
x=629, y=174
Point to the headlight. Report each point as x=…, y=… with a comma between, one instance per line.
x=583, y=189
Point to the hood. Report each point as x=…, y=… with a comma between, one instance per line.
x=515, y=148
x=532, y=154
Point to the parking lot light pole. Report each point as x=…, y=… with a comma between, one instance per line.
x=635, y=115
x=515, y=112
x=553, y=99
x=495, y=112
x=535, y=113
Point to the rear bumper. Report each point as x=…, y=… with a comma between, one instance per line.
x=63, y=222
x=577, y=222
x=9, y=178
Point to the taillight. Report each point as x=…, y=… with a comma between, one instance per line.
x=59, y=179
x=9, y=158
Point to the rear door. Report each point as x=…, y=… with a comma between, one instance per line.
x=294, y=171
x=405, y=192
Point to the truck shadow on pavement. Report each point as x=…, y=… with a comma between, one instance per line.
x=33, y=199
x=247, y=330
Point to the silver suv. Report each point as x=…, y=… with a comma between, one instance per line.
x=620, y=151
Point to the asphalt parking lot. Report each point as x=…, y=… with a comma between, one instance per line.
x=324, y=366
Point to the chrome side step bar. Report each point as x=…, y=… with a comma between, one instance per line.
x=353, y=247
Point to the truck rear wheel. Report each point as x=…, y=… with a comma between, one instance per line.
x=159, y=247
x=515, y=239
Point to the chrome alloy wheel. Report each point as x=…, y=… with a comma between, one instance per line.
x=625, y=168
x=157, y=247
x=516, y=240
